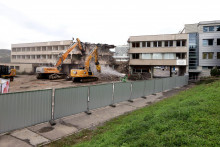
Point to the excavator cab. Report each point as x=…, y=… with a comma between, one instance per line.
x=85, y=74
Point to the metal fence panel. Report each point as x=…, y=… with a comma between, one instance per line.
x=122, y=92
x=70, y=101
x=167, y=84
x=23, y=109
x=100, y=95
x=186, y=80
x=149, y=87
x=178, y=81
x=172, y=82
x=158, y=85
x=137, y=89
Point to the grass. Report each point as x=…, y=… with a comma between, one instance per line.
x=191, y=118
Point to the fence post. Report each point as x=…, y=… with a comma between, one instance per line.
x=130, y=100
x=154, y=87
x=88, y=99
x=144, y=97
x=52, y=122
x=113, y=92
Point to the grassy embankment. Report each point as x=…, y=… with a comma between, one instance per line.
x=191, y=118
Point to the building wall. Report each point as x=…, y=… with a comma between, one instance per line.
x=215, y=48
x=47, y=53
x=157, y=45
x=205, y=65
x=41, y=52
x=20, y=68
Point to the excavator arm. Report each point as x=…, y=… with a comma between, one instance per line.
x=93, y=52
x=64, y=56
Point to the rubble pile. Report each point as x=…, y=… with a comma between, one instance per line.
x=139, y=76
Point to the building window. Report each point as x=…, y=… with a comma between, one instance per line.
x=13, y=57
x=218, y=41
x=43, y=48
x=218, y=55
x=208, y=28
x=12, y=67
x=13, y=49
x=168, y=43
x=207, y=42
x=169, y=56
x=17, y=67
x=38, y=56
x=135, y=56
x=207, y=55
x=135, y=44
x=148, y=44
x=181, y=43
x=217, y=28
x=146, y=56
x=157, y=43
x=143, y=44
x=157, y=56
x=49, y=56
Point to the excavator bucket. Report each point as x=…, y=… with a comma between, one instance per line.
x=98, y=67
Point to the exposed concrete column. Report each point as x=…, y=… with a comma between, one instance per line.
x=140, y=44
x=163, y=43
x=152, y=72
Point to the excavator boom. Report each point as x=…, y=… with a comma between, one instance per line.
x=85, y=75
x=64, y=56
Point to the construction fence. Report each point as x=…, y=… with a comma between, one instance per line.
x=23, y=109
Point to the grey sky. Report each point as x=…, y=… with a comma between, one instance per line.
x=98, y=21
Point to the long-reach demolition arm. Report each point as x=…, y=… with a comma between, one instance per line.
x=93, y=52
x=64, y=56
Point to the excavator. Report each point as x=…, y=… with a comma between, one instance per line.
x=53, y=73
x=6, y=73
x=85, y=74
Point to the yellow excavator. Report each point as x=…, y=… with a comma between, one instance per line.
x=85, y=74
x=6, y=73
x=53, y=73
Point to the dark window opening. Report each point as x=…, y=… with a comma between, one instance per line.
x=148, y=44
x=218, y=55
x=159, y=43
x=135, y=56
x=166, y=44
x=183, y=42
x=178, y=43
x=135, y=44
x=210, y=41
x=143, y=44
x=218, y=41
x=155, y=43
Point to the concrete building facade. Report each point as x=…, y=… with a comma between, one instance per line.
x=204, y=47
x=46, y=54
x=158, y=50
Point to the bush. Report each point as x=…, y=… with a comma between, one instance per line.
x=215, y=71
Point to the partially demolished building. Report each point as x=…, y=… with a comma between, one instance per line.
x=46, y=54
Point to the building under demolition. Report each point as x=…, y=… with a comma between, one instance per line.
x=46, y=54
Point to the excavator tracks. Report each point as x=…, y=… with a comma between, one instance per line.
x=85, y=79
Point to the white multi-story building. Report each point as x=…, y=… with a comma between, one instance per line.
x=204, y=47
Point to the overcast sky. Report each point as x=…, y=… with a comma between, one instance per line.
x=98, y=21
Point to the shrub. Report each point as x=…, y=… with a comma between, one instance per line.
x=215, y=71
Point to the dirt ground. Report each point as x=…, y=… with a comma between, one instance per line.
x=29, y=82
